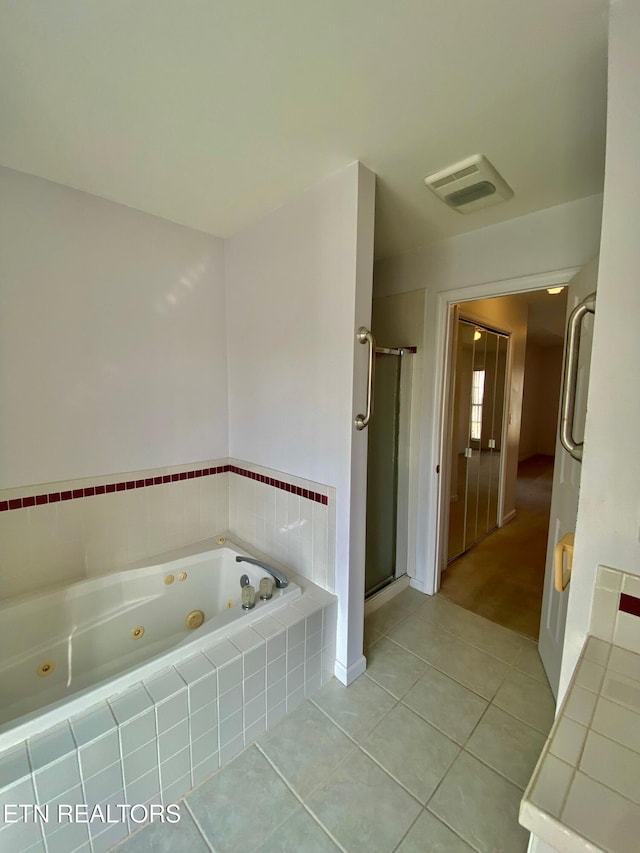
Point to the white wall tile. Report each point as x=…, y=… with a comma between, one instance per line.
x=174, y=740
x=172, y=711
x=203, y=692
x=203, y=721
x=51, y=746
x=627, y=631
x=603, y=613
x=57, y=778
x=230, y=750
x=631, y=585
x=137, y=732
x=140, y=762
x=230, y=702
x=204, y=769
x=609, y=578
x=60, y=543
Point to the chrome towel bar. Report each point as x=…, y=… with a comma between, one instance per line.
x=364, y=336
x=570, y=378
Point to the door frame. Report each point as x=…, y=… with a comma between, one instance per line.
x=433, y=434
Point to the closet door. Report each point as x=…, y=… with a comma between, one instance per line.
x=478, y=411
x=498, y=394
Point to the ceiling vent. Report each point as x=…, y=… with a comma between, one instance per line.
x=469, y=185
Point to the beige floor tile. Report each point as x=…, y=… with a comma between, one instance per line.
x=357, y=708
x=491, y=638
x=299, y=834
x=528, y=661
x=438, y=610
x=305, y=747
x=477, y=670
x=224, y=806
x=410, y=598
x=447, y=705
x=371, y=636
x=429, y=835
x=508, y=745
x=480, y=806
x=390, y=614
x=362, y=807
x=393, y=667
x=528, y=700
x=166, y=837
x=415, y=753
x=421, y=637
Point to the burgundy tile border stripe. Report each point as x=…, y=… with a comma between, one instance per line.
x=629, y=604
x=55, y=497
x=280, y=484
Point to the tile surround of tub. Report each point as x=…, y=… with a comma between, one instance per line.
x=55, y=534
x=292, y=529
x=59, y=542
x=160, y=738
x=615, y=612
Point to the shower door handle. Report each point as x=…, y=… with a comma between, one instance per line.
x=364, y=336
x=570, y=377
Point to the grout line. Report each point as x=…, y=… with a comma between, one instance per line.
x=197, y=826
x=311, y=792
x=455, y=832
x=409, y=828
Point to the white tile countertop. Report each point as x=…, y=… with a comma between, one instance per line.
x=584, y=794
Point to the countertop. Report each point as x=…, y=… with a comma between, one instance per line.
x=584, y=794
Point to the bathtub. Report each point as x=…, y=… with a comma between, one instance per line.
x=68, y=648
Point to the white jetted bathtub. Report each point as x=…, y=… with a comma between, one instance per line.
x=98, y=636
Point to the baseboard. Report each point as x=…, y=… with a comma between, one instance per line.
x=372, y=604
x=508, y=517
x=414, y=583
x=347, y=675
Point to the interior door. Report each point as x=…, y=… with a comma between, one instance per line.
x=566, y=490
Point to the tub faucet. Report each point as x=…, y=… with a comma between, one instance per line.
x=279, y=577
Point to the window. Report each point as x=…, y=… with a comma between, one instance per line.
x=477, y=395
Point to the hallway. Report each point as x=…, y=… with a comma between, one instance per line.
x=501, y=577
x=429, y=750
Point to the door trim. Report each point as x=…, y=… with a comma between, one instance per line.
x=433, y=434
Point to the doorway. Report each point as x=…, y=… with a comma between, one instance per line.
x=503, y=405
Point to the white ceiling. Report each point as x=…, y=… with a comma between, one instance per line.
x=212, y=112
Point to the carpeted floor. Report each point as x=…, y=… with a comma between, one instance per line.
x=501, y=577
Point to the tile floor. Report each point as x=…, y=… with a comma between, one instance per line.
x=430, y=750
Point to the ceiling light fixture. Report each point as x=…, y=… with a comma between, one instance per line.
x=554, y=290
x=477, y=335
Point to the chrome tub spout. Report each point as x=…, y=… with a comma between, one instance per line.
x=279, y=577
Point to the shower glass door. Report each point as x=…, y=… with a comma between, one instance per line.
x=478, y=411
x=382, y=474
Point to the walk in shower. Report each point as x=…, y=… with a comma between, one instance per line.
x=387, y=434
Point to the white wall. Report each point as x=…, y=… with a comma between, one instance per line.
x=561, y=237
x=608, y=524
x=112, y=337
x=299, y=285
x=542, y=381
